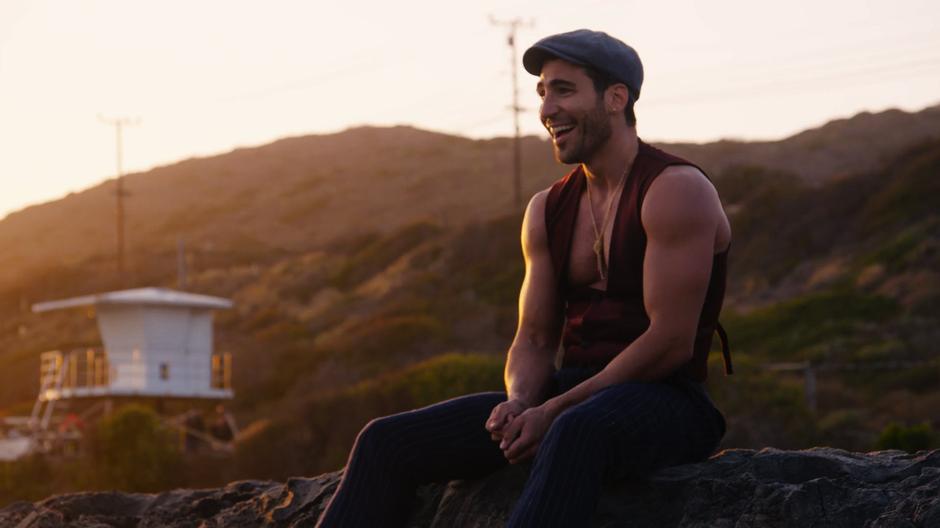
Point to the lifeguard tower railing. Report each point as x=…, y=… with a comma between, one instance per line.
x=86, y=372
x=60, y=373
x=221, y=371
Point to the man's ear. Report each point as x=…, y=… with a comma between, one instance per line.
x=617, y=97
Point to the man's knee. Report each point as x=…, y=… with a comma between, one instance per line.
x=376, y=436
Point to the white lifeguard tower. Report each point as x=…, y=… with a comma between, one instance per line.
x=157, y=344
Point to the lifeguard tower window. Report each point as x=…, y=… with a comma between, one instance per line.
x=164, y=371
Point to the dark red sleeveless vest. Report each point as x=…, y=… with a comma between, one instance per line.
x=599, y=324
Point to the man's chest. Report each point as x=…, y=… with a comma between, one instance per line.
x=585, y=263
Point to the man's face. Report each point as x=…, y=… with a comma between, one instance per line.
x=572, y=112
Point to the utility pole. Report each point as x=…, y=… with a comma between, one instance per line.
x=119, y=124
x=513, y=25
x=181, y=264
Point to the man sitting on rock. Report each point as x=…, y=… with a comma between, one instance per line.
x=625, y=268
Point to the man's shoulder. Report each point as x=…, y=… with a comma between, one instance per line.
x=534, y=231
x=681, y=193
x=537, y=205
x=541, y=196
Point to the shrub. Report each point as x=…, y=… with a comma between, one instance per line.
x=911, y=439
x=27, y=478
x=788, y=329
x=135, y=452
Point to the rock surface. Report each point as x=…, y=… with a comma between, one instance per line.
x=820, y=487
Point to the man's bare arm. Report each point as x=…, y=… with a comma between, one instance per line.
x=531, y=359
x=681, y=215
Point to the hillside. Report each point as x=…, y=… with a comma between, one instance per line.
x=387, y=315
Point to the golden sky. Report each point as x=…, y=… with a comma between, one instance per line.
x=206, y=76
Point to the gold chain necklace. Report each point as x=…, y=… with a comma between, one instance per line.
x=599, y=234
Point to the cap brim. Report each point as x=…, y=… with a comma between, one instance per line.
x=535, y=57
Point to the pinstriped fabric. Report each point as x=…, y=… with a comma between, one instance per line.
x=626, y=430
x=622, y=431
x=395, y=454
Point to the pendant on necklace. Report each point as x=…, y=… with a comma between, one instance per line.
x=599, y=252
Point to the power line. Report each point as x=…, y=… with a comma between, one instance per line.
x=119, y=124
x=807, y=83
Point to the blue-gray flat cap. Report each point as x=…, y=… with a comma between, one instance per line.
x=589, y=48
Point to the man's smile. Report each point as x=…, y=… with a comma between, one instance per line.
x=558, y=132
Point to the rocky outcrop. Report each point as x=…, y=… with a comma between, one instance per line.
x=819, y=487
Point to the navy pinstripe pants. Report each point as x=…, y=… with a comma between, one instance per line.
x=624, y=430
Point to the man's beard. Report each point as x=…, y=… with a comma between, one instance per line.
x=594, y=131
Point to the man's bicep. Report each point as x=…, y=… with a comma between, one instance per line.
x=681, y=226
x=675, y=280
x=539, y=304
x=539, y=309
